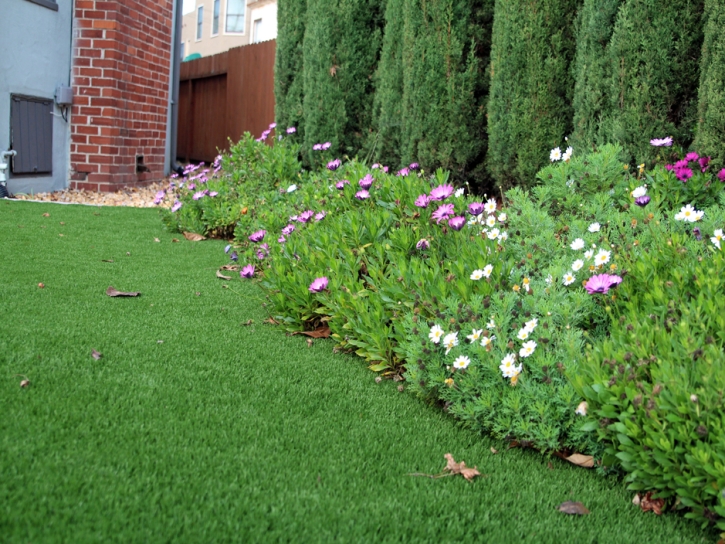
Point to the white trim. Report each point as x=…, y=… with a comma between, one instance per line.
x=211, y=34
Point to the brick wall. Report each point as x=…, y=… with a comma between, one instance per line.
x=121, y=64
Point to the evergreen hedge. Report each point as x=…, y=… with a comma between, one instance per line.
x=711, y=126
x=341, y=49
x=288, y=81
x=654, y=54
x=532, y=86
x=592, y=70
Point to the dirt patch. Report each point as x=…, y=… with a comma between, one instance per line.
x=136, y=197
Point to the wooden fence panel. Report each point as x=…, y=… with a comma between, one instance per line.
x=224, y=96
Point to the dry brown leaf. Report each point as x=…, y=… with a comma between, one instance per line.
x=323, y=331
x=549, y=466
x=309, y=342
x=174, y=240
x=460, y=468
x=248, y=323
x=222, y=276
x=586, y=461
x=494, y=450
x=245, y=210
x=113, y=292
x=647, y=503
x=106, y=260
x=194, y=237
x=41, y=285
x=271, y=321
x=46, y=215
x=96, y=355
x=61, y=234
x=62, y=222
x=232, y=267
x=24, y=383
x=571, y=507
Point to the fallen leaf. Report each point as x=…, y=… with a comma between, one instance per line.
x=460, y=468
x=378, y=379
x=62, y=222
x=41, y=285
x=309, y=342
x=647, y=503
x=96, y=355
x=586, y=461
x=156, y=240
x=248, y=323
x=194, y=237
x=233, y=267
x=61, y=234
x=571, y=507
x=222, y=276
x=46, y=215
x=174, y=240
x=271, y=321
x=24, y=383
x=106, y=260
x=198, y=294
x=494, y=451
x=159, y=341
x=323, y=331
x=636, y=500
x=549, y=466
x=128, y=254
x=113, y=292
x=401, y=389
x=245, y=210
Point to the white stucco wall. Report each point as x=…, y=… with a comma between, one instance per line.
x=36, y=57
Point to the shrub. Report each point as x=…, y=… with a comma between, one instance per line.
x=529, y=107
x=711, y=112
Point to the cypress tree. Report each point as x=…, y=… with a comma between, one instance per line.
x=288, y=80
x=341, y=49
x=529, y=108
x=592, y=70
x=446, y=49
x=385, y=142
x=654, y=54
x=711, y=125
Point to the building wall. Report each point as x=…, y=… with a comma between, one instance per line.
x=36, y=58
x=120, y=78
x=208, y=45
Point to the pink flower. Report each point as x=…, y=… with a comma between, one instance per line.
x=362, y=195
x=177, y=205
x=721, y=175
x=457, y=223
x=683, y=174
x=304, y=217
x=291, y=130
x=257, y=236
x=443, y=212
x=334, y=164
x=289, y=229
x=422, y=244
x=317, y=147
x=691, y=156
x=475, y=208
x=341, y=184
x=601, y=283
x=704, y=163
x=320, y=216
x=414, y=166
x=441, y=192
x=320, y=284
x=661, y=142
x=403, y=172
x=247, y=271
x=326, y=145
x=422, y=201
x=366, y=182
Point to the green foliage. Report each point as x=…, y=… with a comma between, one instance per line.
x=592, y=71
x=289, y=62
x=529, y=108
x=654, y=75
x=341, y=49
x=445, y=52
x=711, y=112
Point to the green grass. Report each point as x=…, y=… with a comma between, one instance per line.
x=196, y=428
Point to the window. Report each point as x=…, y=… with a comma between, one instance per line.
x=215, y=18
x=235, y=16
x=50, y=4
x=181, y=50
x=257, y=31
x=199, y=21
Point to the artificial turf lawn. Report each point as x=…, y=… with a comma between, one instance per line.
x=193, y=427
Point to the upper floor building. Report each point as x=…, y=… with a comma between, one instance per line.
x=215, y=26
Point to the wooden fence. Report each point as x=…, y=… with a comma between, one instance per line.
x=222, y=97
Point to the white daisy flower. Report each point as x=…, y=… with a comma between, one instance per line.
x=577, y=244
x=435, y=334
x=588, y=254
x=569, y=278
x=475, y=335
x=486, y=340
x=461, y=362
x=459, y=192
x=292, y=188
x=577, y=265
x=555, y=154
x=687, y=213
x=594, y=227
x=503, y=236
x=523, y=334
x=717, y=238
x=487, y=270
x=491, y=221
x=502, y=218
x=567, y=154
x=491, y=324
x=490, y=206
x=549, y=279
x=476, y=275
x=602, y=257
x=527, y=348
x=531, y=324
x=698, y=216
x=450, y=341
x=639, y=191
x=508, y=365
x=493, y=234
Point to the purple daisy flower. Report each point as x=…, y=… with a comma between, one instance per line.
x=159, y=196
x=213, y=194
x=704, y=163
x=257, y=236
x=341, y=184
x=721, y=175
x=234, y=257
x=191, y=186
x=414, y=166
x=601, y=283
x=669, y=167
x=366, y=182
x=247, y=271
x=282, y=239
x=320, y=216
x=403, y=172
x=422, y=201
x=683, y=174
x=304, y=217
x=317, y=147
x=326, y=146
x=273, y=125
x=441, y=192
x=291, y=130
x=385, y=169
x=691, y=156
x=475, y=208
x=375, y=166
x=422, y=244
x=661, y=142
x=176, y=207
x=642, y=201
x=682, y=163
x=320, y=284
x=697, y=234
x=198, y=195
x=334, y=164
x=289, y=229
x=443, y=212
x=362, y=194
x=457, y=223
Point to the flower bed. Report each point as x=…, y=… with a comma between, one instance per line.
x=583, y=316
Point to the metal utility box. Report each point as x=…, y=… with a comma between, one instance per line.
x=31, y=134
